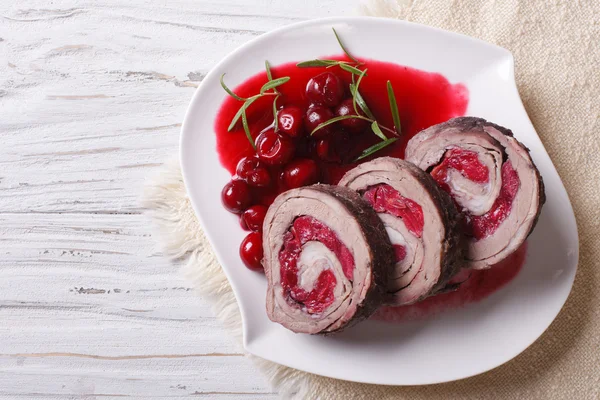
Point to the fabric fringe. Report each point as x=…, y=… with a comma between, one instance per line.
x=384, y=8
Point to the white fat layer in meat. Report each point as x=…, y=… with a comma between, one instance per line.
x=477, y=198
x=314, y=258
x=395, y=236
x=410, y=245
x=471, y=196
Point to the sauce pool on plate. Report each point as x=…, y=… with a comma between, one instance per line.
x=424, y=99
x=294, y=157
x=479, y=285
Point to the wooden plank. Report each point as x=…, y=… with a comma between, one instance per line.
x=156, y=377
x=91, y=101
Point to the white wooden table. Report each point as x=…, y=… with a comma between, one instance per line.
x=91, y=100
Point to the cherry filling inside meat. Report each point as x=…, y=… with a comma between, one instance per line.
x=484, y=225
x=464, y=161
x=399, y=252
x=385, y=199
x=468, y=164
x=313, y=282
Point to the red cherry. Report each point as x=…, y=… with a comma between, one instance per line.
x=326, y=89
x=300, y=172
x=354, y=125
x=254, y=172
x=251, y=251
x=315, y=116
x=322, y=149
x=325, y=150
x=253, y=218
x=236, y=196
x=342, y=147
x=274, y=149
x=303, y=147
x=290, y=121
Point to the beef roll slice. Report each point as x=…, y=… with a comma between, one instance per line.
x=420, y=220
x=327, y=259
x=492, y=179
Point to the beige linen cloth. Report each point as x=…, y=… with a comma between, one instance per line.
x=556, y=45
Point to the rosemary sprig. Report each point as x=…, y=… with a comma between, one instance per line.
x=345, y=65
x=376, y=130
x=247, y=129
x=336, y=119
x=358, y=99
x=355, y=116
x=270, y=78
x=344, y=48
x=275, y=119
x=229, y=91
x=359, y=102
x=328, y=64
x=268, y=89
x=318, y=63
x=394, y=108
x=350, y=68
x=268, y=68
x=376, y=147
x=242, y=109
x=273, y=84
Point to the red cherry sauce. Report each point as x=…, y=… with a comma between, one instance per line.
x=424, y=99
x=467, y=163
x=303, y=230
x=479, y=285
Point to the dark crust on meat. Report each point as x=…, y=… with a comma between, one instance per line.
x=382, y=255
x=453, y=246
x=463, y=124
x=541, y=194
x=469, y=124
x=473, y=122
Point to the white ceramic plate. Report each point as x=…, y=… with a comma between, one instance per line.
x=455, y=344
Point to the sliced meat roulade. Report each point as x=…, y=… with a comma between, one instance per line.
x=327, y=259
x=492, y=179
x=420, y=220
